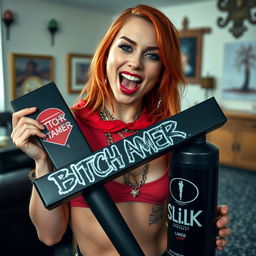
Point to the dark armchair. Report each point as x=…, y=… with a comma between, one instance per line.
x=6, y=122
x=17, y=233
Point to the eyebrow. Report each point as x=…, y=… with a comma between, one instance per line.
x=150, y=48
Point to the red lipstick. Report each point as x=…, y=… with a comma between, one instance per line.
x=129, y=83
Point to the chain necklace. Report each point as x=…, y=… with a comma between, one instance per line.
x=135, y=187
x=105, y=116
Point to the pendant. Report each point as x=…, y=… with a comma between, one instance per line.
x=135, y=192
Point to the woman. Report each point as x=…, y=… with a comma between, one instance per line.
x=133, y=83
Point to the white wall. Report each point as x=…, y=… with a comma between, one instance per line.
x=205, y=14
x=2, y=98
x=80, y=32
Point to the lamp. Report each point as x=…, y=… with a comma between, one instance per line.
x=53, y=27
x=207, y=83
x=8, y=20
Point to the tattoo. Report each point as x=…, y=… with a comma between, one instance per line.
x=156, y=215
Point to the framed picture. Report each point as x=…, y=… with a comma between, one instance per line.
x=29, y=72
x=239, y=71
x=77, y=71
x=191, y=51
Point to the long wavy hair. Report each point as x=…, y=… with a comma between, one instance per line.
x=164, y=99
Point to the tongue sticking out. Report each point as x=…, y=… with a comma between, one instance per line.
x=129, y=86
x=128, y=83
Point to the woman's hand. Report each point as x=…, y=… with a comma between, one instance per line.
x=24, y=131
x=222, y=230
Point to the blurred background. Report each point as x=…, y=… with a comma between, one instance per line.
x=54, y=40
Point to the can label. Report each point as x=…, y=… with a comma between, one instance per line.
x=191, y=212
x=183, y=192
x=186, y=215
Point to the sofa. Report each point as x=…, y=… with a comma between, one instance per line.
x=17, y=233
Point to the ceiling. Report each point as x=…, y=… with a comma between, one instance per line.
x=116, y=6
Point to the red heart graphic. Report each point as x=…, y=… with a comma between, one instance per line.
x=57, y=125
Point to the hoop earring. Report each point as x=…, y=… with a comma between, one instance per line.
x=159, y=103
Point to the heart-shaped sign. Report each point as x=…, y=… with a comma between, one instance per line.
x=58, y=127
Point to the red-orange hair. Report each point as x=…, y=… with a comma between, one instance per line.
x=96, y=90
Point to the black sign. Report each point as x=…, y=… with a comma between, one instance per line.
x=84, y=172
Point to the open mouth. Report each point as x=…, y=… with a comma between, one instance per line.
x=129, y=84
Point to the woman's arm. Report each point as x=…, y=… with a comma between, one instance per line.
x=50, y=225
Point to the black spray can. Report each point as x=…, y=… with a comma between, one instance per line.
x=192, y=206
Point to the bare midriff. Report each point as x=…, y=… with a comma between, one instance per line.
x=93, y=241
x=150, y=235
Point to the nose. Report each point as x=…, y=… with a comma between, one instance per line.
x=135, y=62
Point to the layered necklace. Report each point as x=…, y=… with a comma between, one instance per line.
x=106, y=116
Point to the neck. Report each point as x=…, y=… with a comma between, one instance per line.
x=124, y=112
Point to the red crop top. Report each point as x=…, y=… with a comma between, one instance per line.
x=155, y=192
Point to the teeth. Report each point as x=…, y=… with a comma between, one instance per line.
x=131, y=78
